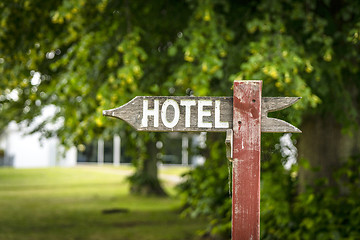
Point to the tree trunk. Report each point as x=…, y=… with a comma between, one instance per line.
x=323, y=144
x=145, y=180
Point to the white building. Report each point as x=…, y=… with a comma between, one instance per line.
x=27, y=151
x=21, y=150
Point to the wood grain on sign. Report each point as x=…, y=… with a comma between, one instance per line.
x=272, y=104
x=193, y=114
x=246, y=160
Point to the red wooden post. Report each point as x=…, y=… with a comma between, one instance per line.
x=246, y=160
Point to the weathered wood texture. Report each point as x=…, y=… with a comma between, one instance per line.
x=246, y=160
x=272, y=104
x=213, y=110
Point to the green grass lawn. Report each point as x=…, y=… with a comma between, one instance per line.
x=69, y=203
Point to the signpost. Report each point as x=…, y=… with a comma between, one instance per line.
x=243, y=117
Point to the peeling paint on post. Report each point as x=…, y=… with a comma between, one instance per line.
x=246, y=160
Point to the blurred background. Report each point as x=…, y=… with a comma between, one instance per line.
x=67, y=172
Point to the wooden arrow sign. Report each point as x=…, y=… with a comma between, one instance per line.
x=243, y=117
x=195, y=114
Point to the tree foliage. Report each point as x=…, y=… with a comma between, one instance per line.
x=87, y=56
x=94, y=55
x=207, y=190
x=320, y=212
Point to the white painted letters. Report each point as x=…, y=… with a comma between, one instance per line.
x=218, y=123
x=176, y=118
x=204, y=113
x=147, y=112
x=184, y=114
x=187, y=104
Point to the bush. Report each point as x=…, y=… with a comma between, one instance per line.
x=206, y=191
x=321, y=212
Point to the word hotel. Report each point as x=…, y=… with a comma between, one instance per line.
x=189, y=112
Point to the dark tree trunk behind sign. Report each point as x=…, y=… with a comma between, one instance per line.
x=323, y=144
x=145, y=180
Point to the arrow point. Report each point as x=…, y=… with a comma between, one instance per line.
x=296, y=130
x=106, y=113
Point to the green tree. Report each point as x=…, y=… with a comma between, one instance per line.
x=87, y=56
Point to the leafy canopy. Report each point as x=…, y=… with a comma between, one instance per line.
x=87, y=56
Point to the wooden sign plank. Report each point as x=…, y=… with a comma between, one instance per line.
x=181, y=114
x=195, y=114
